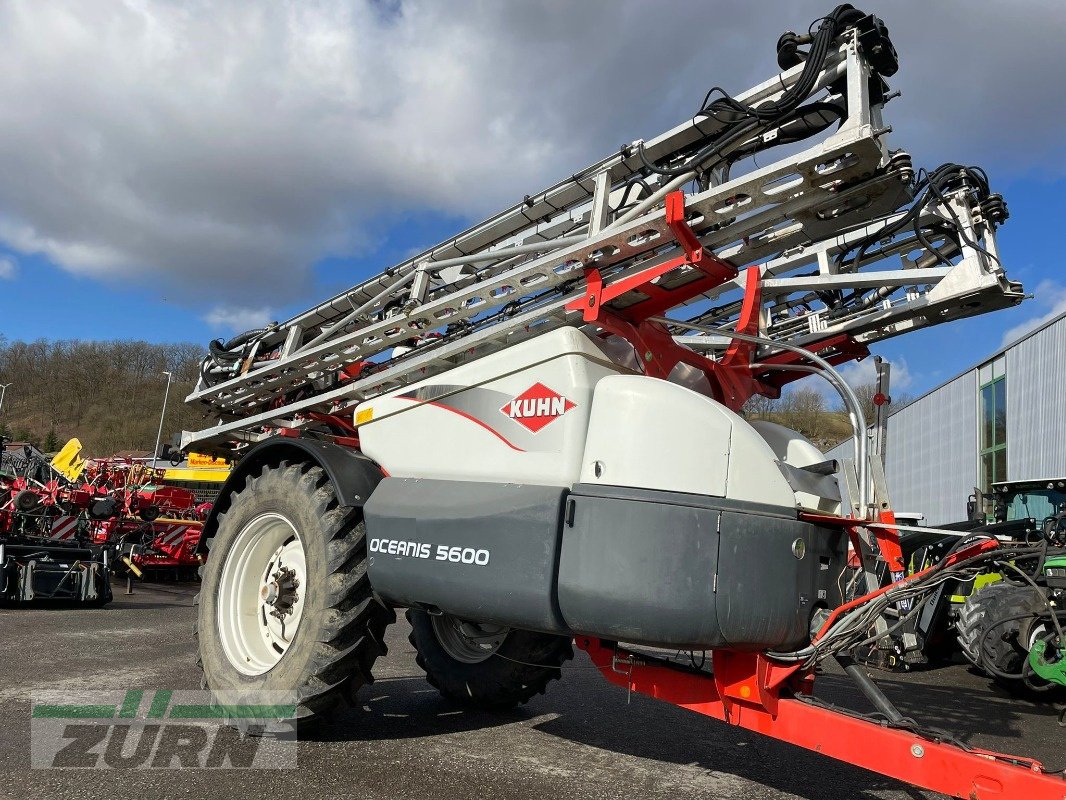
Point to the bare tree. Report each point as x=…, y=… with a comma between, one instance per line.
x=866, y=392
x=759, y=407
x=805, y=410
x=108, y=394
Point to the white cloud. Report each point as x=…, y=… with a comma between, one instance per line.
x=1051, y=299
x=225, y=147
x=237, y=319
x=8, y=268
x=860, y=373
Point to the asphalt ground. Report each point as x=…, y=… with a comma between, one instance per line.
x=580, y=740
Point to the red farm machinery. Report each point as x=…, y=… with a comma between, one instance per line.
x=530, y=436
x=66, y=523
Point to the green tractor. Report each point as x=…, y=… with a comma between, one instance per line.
x=1009, y=624
x=1006, y=623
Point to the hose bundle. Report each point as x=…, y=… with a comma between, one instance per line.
x=855, y=627
x=224, y=358
x=743, y=121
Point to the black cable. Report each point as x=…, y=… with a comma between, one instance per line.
x=1014, y=676
x=925, y=183
x=919, y=234
x=913, y=612
x=743, y=120
x=638, y=183
x=1028, y=672
x=906, y=723
x=847, y=639
x=1043, y=596
x=933, y=184
x=795, y=127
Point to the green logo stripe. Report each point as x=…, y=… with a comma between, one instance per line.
x=159, y=705
x=241, y=711
x=79, y=712
x=131, y=703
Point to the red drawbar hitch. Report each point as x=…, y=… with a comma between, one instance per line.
x=754, y=692
x=750, y=691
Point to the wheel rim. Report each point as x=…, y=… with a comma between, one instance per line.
x=261, y=594
x=468, y=642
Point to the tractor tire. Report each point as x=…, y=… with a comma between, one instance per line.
x=27, y=502
x=1008, y=632
x=285, y=603
x=969, y=627
x=1005, y=632
x=494, y=671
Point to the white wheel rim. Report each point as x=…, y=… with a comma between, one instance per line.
x=261, y=594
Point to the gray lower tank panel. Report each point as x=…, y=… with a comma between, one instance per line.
x=682, y=571
x=632, y=565
x=482, y=551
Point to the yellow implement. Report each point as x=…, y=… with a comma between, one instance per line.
x=201, y=461
x=68, y=461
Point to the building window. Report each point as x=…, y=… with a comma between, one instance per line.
x=992, y=381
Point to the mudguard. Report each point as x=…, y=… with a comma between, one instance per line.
x=354, y=476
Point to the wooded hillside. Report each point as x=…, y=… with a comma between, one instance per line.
x=107, y=394
x=804, y=409
x=110, y=394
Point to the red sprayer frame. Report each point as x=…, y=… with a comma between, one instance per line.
x=732, y=379
x=754, y=692
x=749, y=689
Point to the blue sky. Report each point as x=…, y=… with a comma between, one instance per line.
x=43, y=300
x=1031, y=253
x=176, y=173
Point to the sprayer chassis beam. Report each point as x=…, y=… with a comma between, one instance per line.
x=751, y=695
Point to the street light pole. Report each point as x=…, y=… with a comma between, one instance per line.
x=162, y=416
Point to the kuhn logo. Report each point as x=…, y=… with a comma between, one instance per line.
x=537, y=407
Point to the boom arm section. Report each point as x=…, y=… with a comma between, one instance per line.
x=852, y=246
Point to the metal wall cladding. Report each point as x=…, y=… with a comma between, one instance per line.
x=931, y=466
x=1036, y=417
x=932, y=452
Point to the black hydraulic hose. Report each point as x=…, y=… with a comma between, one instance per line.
x=1028, y=672
x=933, y=183
x=831, y=25
x=740, y=126
x=211, y=372
x=744, y=120
x=220, y=354
x=943, y=178
x=966, y=541
x=991, y=668
x=224, y=356
x=870, y=689
x=243, y=338
x=795, y=126
x=919, y=234
x=233, y=350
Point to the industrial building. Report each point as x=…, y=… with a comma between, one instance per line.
x=1002, y=419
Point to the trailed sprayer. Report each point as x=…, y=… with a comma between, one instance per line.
x=531, y=435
